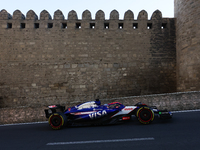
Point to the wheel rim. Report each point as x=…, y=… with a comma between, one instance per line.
x=145, y=115
x=56, y=121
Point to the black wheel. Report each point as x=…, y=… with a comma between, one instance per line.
x=145, y=115
x=57, y=120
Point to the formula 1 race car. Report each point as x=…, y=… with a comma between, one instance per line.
x=93, y=113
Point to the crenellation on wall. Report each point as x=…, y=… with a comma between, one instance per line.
x=58, y=15
x=114, y=15
x=142, y=20
x=86, y=18
x=17, y=15
x=100, y=15
x=72, y=15
x=143, y=15
x=4, y=15
x=114, y=20
x=156, y=19
x=129, y=17
x=86, y=15
x=157, y=15
x=44, y=15
x=46, y=21
x=31, y=15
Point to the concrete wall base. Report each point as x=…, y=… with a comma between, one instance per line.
x=170, y=101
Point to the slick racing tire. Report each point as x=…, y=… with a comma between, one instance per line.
x=57, y=120
x=145, y=115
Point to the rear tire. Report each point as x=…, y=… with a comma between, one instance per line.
x=57, y=120
x=145, y=115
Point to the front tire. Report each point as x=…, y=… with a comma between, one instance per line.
x=145, y=115
x=57, y=120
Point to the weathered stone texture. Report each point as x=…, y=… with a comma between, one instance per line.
x=55, y=60
x=188, y=44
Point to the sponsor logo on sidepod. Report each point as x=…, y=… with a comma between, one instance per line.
x=127, y=109
x=97, y=114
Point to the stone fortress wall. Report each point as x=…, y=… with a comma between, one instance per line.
x=45, y=60
x=188, y=44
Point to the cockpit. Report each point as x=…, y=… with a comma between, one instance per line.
x=86, y=105
x=115, y=105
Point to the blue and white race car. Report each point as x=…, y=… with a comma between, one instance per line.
x=93, y=113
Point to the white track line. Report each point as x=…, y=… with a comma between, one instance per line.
x=101, y=141
x=185, y=111
x=18, y=124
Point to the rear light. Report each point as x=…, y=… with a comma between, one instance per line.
x=126, y=118
x=52, y=106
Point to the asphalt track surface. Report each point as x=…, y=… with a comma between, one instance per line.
x=182, y=132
